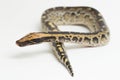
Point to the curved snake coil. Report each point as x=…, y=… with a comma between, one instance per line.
x=53, y=17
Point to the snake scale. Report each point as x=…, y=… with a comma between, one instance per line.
x=53, y=17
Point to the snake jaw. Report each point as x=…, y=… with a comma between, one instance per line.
x=21, y=44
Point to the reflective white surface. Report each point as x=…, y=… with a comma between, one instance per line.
x=20, y=17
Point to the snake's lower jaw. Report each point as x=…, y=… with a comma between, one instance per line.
x=23, y=44
x=20, y=44
x=28, y=42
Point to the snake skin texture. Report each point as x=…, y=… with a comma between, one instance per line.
x=58, y=48
x=53, y=17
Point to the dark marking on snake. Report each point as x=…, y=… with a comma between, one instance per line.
x=67, y=39
x=73, y=14
x=65, y=57
x=95, y=40
x=62, y=38
x=103, y=36
x=67, y=63
x=75, y=39
x=87, y=39
x=80, y=39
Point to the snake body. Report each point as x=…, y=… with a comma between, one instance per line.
x=53, y=17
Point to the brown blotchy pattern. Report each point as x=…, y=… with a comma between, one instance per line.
x=80, y=39
x=53, y=17
x=95, y=40
x=103, y=36
x=61, y=55
x=58, y=48
x=87, y=40
x=75, y=39
x=62, y=38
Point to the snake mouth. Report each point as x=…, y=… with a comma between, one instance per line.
x=22, y=44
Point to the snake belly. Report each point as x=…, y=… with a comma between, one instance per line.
x=53, y=17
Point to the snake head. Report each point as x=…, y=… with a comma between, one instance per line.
x=30, y=39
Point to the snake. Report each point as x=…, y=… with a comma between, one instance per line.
x=87, y=17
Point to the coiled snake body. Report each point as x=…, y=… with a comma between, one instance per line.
x=53, y=17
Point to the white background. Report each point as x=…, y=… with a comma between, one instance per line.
x=20, y=17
